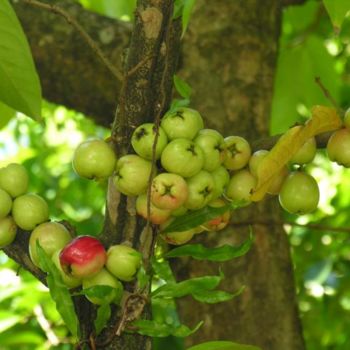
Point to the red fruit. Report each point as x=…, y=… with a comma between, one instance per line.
x=83, y=257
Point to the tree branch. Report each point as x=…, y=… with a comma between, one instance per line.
x=70, y=72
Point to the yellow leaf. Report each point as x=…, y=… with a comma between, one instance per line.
x=323, y=119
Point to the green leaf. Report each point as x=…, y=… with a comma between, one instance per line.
x=178, y=7
x=58, y=291
x=186, y=13
x=337, y=10
x=223, y=253
x=19, y=84
x=6, y=114
x=187, y=287
x=142, y=278
x=222, y=345
x=99, y=291
x=182, y=87
x=154, y=329
x=215, y=296
x=102, y=317
x=8, y=320
x=198, y=217
x=163, y=270
x=176, y=104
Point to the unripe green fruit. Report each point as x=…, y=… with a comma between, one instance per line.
x=51, y=236
x=132, y=175
x=238, y=152
x=69, y=281
x=255, y=161
x=338, y=147
x=306, y=153
x=182, y=157
x=8, y=231
x=5, y=203
x=142, y=140
x=299, y=193
x=29, y=211
x=123, y=262
x=182, y=123
x=104, y=278
x=221, y=179
x=241, y=186
x=14, y=179
x=94, y=159
x=200, y=190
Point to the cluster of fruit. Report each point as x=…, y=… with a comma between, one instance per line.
x=196, y=167
x=18, y=208
x=81, y=261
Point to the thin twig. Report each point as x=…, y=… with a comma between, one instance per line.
x=93, y=45
x=45, y=325
x=319, y=227
x=326, y=93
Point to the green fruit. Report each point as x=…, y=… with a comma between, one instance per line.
x=94, y=159
x=5, y=203
x=299, y=193
x=142, y=141
x=8, y=230
x=238, y=152
x=51, y=236
x=104, y=278
x=182, y=157
x=182, y=123
x=222, y=220
x=255, y=161
x=338, y=147
x=69, y=281
x=200, y=190
x=178, y=238
x=221, y=179
x=29, y=210
x=213, y=149
x=132, y=175
x=14, y=179
x=123, y=262
x=306, y=153
x=241, y=186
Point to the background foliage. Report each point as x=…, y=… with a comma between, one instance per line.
x=310, y=45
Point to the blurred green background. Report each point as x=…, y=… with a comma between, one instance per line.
x=309, y=46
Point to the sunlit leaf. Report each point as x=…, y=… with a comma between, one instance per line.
x=186, y=13
x=154, y=329
x=6, y=114
x=337, y=10
x=323, y=119
x=58, y=290
x=19, y=83
x=222, y=345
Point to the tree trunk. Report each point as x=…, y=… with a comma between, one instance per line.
x=230, y=59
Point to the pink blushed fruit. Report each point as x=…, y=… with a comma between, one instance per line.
x=83, y=257
x=169, y=191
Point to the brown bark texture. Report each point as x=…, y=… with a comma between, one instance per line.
x=228, y=56
x=234, y=45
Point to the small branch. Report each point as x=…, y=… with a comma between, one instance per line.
x=45, y=325
x=326, y=93
x=319, y=227
x=93, y=45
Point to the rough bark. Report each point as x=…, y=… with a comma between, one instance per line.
x=230, y=62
